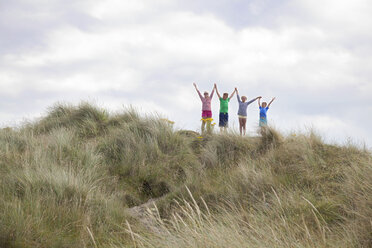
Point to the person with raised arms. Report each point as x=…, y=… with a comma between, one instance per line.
x=263, y=111
x=206, y=108
x=242, y=112
x=224, y=109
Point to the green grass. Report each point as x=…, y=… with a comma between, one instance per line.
x=72, y=178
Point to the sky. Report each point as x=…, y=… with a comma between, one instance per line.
x=314, y=56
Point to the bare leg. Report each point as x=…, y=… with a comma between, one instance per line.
x=209, y=127
x=203, y=126
x=244, y=122
x=240, y=126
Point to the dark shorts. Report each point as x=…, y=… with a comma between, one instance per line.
x=224, y=119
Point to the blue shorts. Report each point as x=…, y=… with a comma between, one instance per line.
x=224, y=119
x=263, y=122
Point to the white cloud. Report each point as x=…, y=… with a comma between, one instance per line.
x=347, y=16
x=68, y=45
x=252, y=54
x=9, y=82
x=324, y=123
x=116, y=8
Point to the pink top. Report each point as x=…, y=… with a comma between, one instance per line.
x=206, y=101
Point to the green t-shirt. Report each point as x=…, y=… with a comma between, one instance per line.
x=224, y=105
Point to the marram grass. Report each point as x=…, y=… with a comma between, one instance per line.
x=82, y=177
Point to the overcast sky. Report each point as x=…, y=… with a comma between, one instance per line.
x=314, y=56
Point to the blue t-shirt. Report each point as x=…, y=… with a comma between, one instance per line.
x=263, y=112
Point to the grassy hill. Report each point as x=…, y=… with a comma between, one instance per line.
x=81, y=177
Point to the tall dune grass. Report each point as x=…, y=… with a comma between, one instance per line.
x=81, y=177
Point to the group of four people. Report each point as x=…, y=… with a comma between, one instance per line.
x=224, y=109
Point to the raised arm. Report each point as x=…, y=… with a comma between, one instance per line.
x=212, y=93
x=218, y=94
x=237, y=94
x=271, y=102
x=259, y=101
x=254, y=99
x=232, y=94
x=196, y=88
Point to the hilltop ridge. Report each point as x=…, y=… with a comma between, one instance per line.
x=75, y=177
